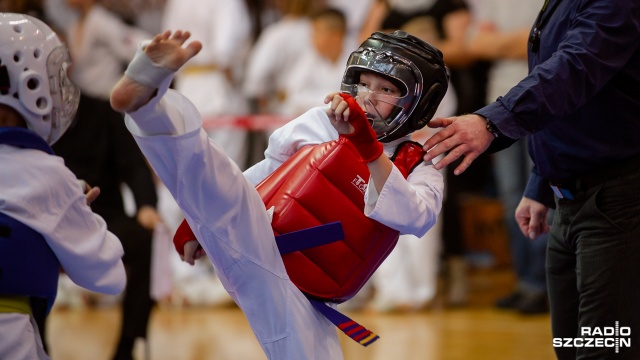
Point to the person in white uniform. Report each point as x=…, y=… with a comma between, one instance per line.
x=232, y=224
x=41, y=202
x=211, y=81
x=275, y=51
x=100, y=43
x=304, y=89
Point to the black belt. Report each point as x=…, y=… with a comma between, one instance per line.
x=566, y=188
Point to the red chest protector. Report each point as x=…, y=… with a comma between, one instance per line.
x=321, y=184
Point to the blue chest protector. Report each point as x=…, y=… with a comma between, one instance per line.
x=28, y=266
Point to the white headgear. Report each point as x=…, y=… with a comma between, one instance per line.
x=33, y=75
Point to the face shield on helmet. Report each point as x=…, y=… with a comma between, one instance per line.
x=384, y=99
x=381, y=107
x=65, y=95
x=415, y=78
x=34, y=82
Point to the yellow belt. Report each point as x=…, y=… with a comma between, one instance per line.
x=15, y=304
x=196, y=69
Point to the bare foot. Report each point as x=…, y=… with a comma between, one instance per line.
x=165, y=50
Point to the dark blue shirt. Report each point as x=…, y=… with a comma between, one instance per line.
x=580, y=103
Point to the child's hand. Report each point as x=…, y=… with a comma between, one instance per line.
x=166, y=49
x=90, y=193
x=357, y=128
x=338, y=113
x=148, y=217
x=192, y=252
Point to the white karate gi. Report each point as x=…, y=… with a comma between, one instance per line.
x=38, y=190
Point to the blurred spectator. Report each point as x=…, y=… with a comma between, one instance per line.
x=211, y=79
x=99, y=150
x=277, y=48
x=100, y=43
x=355, y=12
x=304, y=89
x=137, y=11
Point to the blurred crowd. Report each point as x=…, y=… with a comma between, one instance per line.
x=279, y=58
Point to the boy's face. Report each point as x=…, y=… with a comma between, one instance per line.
x=378, y=97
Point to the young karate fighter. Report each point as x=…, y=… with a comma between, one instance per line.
x=395, y=73
x=45, y=222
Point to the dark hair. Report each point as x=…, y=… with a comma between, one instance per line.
x=331, y=13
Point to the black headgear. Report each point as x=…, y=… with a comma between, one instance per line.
x=414, y=65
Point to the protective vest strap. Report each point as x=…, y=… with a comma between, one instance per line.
x=316, y=236
x=310, y=237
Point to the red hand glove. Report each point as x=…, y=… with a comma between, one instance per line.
x=182, y=235
x=363, y=138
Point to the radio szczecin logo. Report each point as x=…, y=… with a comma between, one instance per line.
x=608, y=336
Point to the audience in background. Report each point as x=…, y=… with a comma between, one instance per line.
x=211, y=80
x=277, y=49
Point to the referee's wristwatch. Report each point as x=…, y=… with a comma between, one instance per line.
x=491, y=127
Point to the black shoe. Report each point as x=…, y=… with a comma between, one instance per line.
x=510, y=301
x=533, y=304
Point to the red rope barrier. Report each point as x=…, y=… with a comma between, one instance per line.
x=247, y=121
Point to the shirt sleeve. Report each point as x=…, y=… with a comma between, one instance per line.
x=410, y=206
x=167, y=113
x=575, y=72
x=539, y=190
x=87, y=251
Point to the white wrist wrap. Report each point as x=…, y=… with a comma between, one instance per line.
x=144, y=71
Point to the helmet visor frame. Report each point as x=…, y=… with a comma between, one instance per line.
x=65, y=95
x=393, y=67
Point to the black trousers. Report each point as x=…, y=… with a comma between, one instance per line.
x=593, y=270
x=137, y=302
